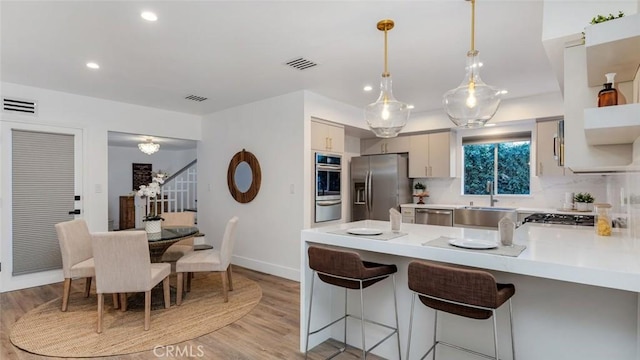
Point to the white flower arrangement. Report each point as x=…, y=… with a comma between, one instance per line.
x=151, y=191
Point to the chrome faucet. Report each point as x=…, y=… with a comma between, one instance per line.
x=492, y=201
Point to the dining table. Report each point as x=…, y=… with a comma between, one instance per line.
x=169, y=235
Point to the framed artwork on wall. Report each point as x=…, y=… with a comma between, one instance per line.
x=141, y=175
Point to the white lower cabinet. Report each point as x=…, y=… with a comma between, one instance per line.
x=408, y=215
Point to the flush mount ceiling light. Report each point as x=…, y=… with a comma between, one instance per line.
x=473, y=103
x=149, y=16
x=92, y=65
x=387, y=116
x=149, y=147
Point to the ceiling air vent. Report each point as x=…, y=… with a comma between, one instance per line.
x=21, y=106
x=196, y=98
x=301, y=63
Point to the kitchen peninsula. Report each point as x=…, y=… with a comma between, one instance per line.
x=576, y=293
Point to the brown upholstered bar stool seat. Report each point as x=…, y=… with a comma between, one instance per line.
x=347, y=270
x=469, y=293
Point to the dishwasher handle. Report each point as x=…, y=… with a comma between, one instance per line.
x=435, y=212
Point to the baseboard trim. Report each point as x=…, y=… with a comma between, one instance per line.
x=268, y=268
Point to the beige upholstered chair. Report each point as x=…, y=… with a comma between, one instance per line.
x=182, y=247
x=77, y=255
x=210, y=260
x=123, y=266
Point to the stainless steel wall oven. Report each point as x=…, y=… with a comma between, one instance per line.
x=328, y=187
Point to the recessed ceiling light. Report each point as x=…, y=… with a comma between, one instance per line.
x=149, y=16
x=410, y=106
x=92, y=65
x=504, y=92
x=367, y=88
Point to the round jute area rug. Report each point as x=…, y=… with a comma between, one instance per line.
x=48, y=331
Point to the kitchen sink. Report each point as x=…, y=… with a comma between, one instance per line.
x=481, y=217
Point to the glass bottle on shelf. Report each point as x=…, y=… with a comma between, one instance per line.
x=608, y=96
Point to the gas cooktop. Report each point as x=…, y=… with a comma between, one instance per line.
x=561, y=219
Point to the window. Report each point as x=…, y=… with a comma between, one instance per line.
x=504, y=160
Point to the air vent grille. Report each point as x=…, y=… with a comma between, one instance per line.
x=196, y=98
x=21, y=106
x=301, y=63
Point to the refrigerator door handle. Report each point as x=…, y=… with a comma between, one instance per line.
x=369, y=199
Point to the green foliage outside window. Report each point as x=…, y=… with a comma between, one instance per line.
x=513, y=170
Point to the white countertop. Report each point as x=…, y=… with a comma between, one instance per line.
x=561, y=252
x=518, y=209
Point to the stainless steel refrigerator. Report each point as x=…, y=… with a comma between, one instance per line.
x=378, y=183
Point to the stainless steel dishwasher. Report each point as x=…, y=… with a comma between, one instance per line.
x=441, y=217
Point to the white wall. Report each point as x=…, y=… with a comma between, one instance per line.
x=277, y=132
x=95, y=118
x=120, y=171
x=268, y=235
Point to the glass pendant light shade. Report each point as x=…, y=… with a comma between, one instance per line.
x=473, y=103
x=387, y=116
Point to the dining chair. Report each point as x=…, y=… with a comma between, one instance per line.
x=77, y=255
x=211, y=260
x=123, y=265
x=182, y=247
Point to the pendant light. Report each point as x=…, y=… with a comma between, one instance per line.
x=387, y=116
x=473, y=103
x=149, y=147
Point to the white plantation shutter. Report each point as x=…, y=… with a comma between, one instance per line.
x=42, y=195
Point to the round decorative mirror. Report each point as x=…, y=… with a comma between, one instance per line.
x=244, y=176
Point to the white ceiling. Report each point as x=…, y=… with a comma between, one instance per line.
x=233, y=51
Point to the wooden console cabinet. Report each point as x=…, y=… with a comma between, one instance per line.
x=127, y=212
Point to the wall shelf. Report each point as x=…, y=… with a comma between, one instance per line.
x=613, y=46
x=612, y=125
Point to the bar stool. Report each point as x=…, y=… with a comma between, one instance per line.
x=464, y=292
x=347, y=270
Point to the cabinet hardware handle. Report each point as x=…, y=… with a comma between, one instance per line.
x=386, y=149
x=540, y=167
x=330, y=143
x=426, y=171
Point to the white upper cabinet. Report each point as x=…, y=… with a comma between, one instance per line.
x=375, y=146
x=327, y=137
x=547, y=148
x=430, y=155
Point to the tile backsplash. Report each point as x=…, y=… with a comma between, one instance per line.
x=547, y=192
x=622, y=191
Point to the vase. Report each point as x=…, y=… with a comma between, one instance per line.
x=153, y=226
x=582, y=206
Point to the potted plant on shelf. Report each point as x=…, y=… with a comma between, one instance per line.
x=584, y=201
x=152, y=220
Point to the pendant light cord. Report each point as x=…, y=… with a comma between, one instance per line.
x=386, y=71
x=473, y=25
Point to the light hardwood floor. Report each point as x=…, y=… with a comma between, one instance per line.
x=269, y=331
